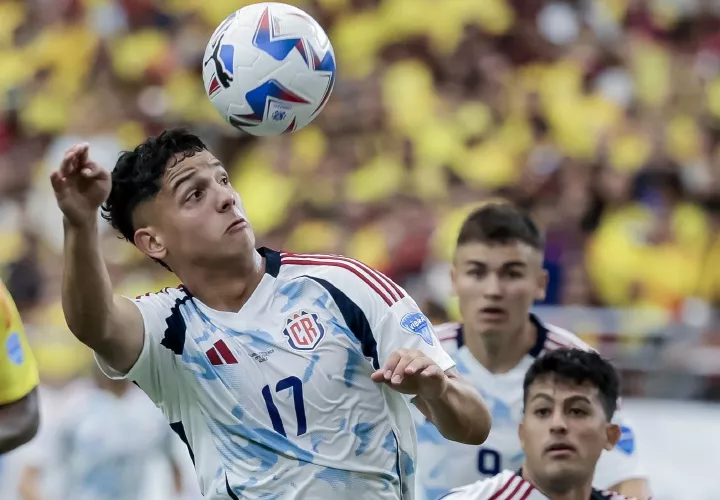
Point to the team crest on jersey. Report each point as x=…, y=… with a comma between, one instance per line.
x=418, y=324
x=304, y=331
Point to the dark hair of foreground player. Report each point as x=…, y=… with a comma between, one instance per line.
x=579, y=367
x=498, y=223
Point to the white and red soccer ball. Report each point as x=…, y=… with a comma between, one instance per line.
x=269, y=69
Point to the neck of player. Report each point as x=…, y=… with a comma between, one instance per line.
x=225, y=288
x=562, y=490
x=500, y=352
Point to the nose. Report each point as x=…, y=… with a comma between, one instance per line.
x=226, y=199
x=492, y=286
x=557, y=423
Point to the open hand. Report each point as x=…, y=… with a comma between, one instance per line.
x=80, y=185
x=412, y=372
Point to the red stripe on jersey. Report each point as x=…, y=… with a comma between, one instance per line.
x=516, y=490
x=527, y=492
x=505, y=487
x=390, y=287
x=225, y=352
x=389, y=300
x=213, y=356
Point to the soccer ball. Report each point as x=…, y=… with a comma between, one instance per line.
x=269, y=69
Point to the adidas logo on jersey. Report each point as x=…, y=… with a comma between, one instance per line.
x=220, y=354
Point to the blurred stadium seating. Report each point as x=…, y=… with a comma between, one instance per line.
x=600, y=117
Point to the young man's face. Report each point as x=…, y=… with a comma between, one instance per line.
x=563, y=432
x=196, y=218
x=497, y=284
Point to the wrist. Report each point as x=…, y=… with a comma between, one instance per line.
x=434, y=394
x=84, y=224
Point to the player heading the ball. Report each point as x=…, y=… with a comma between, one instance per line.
x=287, y=375
x=569, y=398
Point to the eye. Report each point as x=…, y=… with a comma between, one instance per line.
x=542, y=412
x=578, y=412
x=194, y=195
x=224, y=181
x=515, y=274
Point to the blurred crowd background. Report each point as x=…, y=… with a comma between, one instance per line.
x=602, y=118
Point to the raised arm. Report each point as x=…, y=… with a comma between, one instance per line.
x=110, y=325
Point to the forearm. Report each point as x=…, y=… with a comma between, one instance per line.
x=87, y=296
x=459, y=413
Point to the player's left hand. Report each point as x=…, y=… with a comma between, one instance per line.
x=412, y=372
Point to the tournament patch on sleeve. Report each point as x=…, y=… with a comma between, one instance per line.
x=14, y=349
x=417, y=324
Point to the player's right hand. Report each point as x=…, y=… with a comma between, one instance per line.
x=80, y=185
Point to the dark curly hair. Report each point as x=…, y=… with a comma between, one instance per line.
x=579, y=366
x=137, y=176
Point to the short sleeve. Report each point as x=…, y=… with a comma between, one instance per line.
x=18, y=369
x=404, y=326
x=155, y=370
x=622, y=463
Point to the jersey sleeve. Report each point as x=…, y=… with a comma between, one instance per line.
x=156, y=370
x=622, y=463
x=18, y=369
x=404, y=326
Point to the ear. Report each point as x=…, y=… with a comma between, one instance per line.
x=613, y=436
x=521, y=434
x=542, y=283
x=453, y=277
x=150, y=243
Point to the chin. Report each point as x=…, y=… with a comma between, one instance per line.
x=565, y=474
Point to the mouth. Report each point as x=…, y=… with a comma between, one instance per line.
x=560, y=450
x=493, y=313
x=237, y=225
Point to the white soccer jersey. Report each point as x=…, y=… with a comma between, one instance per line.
x=444, y=464
x=276, y=401
x=509, y=485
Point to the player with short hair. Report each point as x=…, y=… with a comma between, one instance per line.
x=19, y=405
x=287, y=375
x=569, y=399
x=497, y=273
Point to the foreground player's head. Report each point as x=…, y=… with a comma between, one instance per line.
x=570, y=397
x=497, y=269
x=172, y=198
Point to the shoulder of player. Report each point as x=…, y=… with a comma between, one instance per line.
x=610, y=495
x=447, y=334
x=167, y=297
x=344, y=274
x=506, y=480
x=559, y=338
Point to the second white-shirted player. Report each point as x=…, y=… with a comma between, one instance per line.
x=497, y=274
x=288, y=376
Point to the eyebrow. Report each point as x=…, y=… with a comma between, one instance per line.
x=571, y=399
x=176, y=185
x=181, y=180
x=512, y=263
